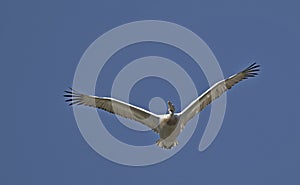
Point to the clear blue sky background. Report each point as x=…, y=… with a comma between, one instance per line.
x=41, y=43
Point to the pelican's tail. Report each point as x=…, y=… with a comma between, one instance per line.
x=166, y=144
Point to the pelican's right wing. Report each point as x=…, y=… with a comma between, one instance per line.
x=216, y=91
x=116, y=107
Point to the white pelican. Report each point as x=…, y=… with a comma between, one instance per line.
x=168, y=126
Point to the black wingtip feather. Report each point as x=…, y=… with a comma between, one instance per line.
x=69, y=92
x=71, y=96
x=251, y=65
x=68, y=95
x=252, y=70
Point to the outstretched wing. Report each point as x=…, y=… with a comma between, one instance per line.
x=114, y=106
x=216, y=91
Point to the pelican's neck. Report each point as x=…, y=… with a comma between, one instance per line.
x=171, y=109
x=171, y=113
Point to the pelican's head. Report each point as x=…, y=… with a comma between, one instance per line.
x=171, y=108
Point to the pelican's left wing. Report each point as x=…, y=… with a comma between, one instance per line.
x=116, y=107
x=216, y=91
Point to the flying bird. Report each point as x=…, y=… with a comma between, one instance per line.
x=169, y=125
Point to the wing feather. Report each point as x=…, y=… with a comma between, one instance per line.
x=114, y=106
x=216, y=91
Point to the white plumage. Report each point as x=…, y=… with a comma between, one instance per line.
x=168, y=126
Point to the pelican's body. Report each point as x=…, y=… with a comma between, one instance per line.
x=168, y=129
x=168, y=126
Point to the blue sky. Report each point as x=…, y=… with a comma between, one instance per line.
x=42, y=42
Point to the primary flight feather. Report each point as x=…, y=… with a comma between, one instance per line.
x=168, y=126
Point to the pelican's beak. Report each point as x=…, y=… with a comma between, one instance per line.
x=171, y=107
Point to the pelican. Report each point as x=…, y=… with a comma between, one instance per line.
x=169, y=125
